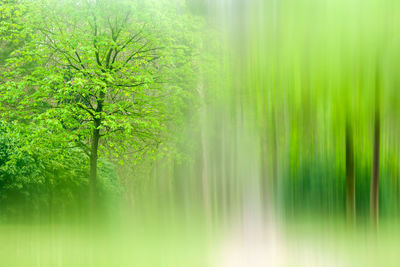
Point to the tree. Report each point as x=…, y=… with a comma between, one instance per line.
x=350, y=179
x=374, y=189
x=96, y=81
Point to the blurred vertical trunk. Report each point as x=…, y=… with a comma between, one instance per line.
x=350, y=179
x=374, y=191
x=269, y=163
x=274, y=154
x=204, y=153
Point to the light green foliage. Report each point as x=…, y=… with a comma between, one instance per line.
x=47, y=177
x=102, y=64
x=90, y=64
x=126, y=69
x=37, y=179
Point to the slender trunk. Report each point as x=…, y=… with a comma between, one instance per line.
x=264, y=171
x=275, y=165
x=94, y=149
x=204, y=154
x=93, y=162
x=205, y=171
x=375, y=172
x=374, y=192
x=350, y=179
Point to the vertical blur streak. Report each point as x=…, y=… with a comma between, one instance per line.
x=375, y=168
x=350, y=181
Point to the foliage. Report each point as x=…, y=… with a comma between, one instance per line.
x=88, y=77
x=37, y=180
x=47, y=179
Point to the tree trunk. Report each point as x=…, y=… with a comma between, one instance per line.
x=375, y=172
x=205, y=168
x=374, y=192
x=93, y=162
x=350, y=179
x=275, y=163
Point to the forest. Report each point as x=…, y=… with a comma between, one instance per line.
x=226, y=133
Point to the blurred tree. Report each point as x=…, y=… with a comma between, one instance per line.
x=350, y=179
x=374, y=191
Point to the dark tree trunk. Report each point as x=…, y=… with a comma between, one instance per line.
x=350, y=179
x=94, y=150
x=374, y=192
x=93, y=162
x=375, y=172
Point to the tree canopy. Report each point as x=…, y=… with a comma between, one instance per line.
x=108, y=78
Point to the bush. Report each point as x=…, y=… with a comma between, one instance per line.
x=37, y=183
